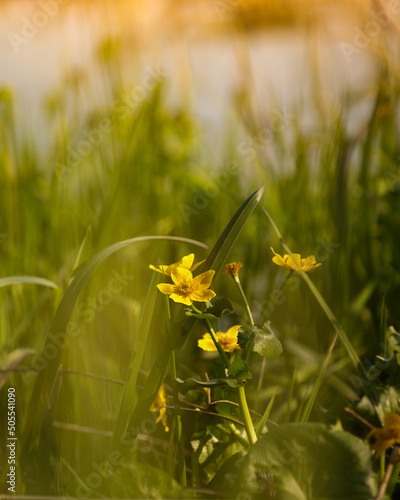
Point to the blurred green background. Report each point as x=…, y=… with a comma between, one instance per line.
x=123, y=119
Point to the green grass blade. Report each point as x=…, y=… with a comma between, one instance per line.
x=321, y=301
x=11, y=361
x=61, y=326
x=34, y=280
x=83, y=253
x=265, y=416
x=129, y=393
x=182, y=326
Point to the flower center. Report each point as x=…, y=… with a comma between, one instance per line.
x=186, y=288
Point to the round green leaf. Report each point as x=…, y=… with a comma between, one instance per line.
x=307, y=461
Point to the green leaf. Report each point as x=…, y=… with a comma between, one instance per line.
x=307, y=461
x=182, y=326
x=261, y=340
x=221, y=307
x=239, y=370
x=195, y=383
x=138, y=480
x=34, y=280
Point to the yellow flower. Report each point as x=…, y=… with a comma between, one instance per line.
x=381, y=439
x=228, y=340
x=159, y=405
x=185, y=263
x=232, y=268
x=186, y=289
x=293, y=263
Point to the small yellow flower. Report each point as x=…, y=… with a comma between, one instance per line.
x=381, y=439
x=187, y=289
x=228, y=340
x=159, y=405
x=293, y=263
x=233, y=268
x=185, y=263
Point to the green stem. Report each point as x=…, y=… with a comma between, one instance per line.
x=239, y=285
x=328, y=312
x=233, y=432
x=248, y=424
x=221, y=352
x=178, y=420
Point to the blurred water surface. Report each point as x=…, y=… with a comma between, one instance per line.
x=206, y=54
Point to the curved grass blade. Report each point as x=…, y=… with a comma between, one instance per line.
x=34, y=280
x=183, y=325
x=11, y=361
x=60, y=327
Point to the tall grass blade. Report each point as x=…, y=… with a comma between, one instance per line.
x=129, y=394
x=34, y=280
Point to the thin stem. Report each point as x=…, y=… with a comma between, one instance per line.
x=221, y=352
x=248, y=424
x=327, y=310
x=389, y=470
x=178, y=421
x=239, y=285
x=233, y=432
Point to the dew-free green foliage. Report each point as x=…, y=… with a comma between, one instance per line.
x=84, y=335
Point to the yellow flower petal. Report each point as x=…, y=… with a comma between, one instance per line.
x=228, y=340
x=159, y=405
x=206, y=343
x=180, y=276
x=197, y=265
x=185, y=263
x=203, y=295
x=232, y=268
x=166, y=288
x=161, y=269
x=176, y=297
x=294, y=262
x=204, y=280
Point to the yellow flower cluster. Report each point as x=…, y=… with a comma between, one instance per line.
x=186, y=289
x=295, y=263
